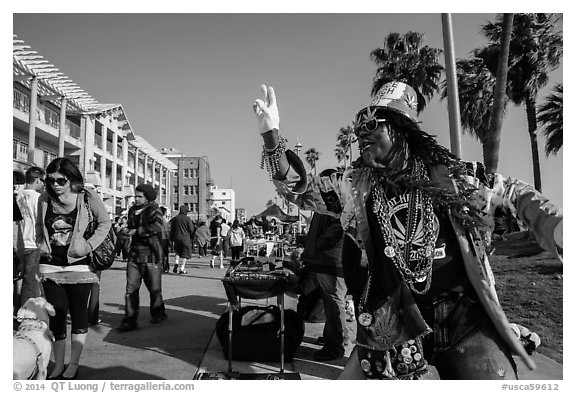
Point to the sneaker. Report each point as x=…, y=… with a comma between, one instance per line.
x=126, y=327
x=221, y=266
x=182, y=272
x=212, y=264
x=324, y=355
x=159, y=319
x=175, y=270
x=94, y=323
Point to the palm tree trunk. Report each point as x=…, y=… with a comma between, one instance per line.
x=531, y=114
x=491, y=145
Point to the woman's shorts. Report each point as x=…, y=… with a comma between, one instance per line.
x=183, y=250
x=216, y=246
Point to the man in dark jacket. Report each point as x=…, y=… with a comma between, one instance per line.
x=322, y=258
x=181, y=234
x=145, y=226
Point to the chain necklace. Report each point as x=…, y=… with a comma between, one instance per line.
x=419, y=206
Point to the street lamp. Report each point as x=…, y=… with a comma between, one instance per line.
x=298, y=147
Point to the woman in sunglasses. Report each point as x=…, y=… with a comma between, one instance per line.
x=421, y=217
x=66, y=276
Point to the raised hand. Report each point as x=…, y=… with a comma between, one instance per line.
x=267, y=110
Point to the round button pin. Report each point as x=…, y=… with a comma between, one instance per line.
x=365, y=365
x=389, y=251
x=365, y=319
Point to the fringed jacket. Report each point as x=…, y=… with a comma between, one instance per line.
x=344, y=195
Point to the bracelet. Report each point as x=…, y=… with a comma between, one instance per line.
x=271, y=157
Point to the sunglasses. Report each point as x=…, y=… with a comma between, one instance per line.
x=369, y=126
x=61, y=181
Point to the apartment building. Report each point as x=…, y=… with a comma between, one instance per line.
x=224, y=199
x=191, y=183
x=241, y=215
x=54, y=117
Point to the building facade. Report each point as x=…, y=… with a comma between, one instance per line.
x=224, y=199
x=191, y=182
x=54, y=117
x=241, y=215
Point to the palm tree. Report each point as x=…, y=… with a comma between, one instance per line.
x=491, y=146
x=535, y=50
x=343, y=150
x=405, y=58
x=550, y=119
x=476, y=96
x=312, y=155
x=342, y=155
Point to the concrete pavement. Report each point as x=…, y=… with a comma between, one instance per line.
x=186, y=344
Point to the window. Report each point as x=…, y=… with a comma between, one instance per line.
x=163, y=192
x=194, y=173
x=195, y=190
x=175, y=207
x=186, y=173
x=186, y=190
x=175, y=189
x=194, y=208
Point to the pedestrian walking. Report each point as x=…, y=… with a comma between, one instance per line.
x=64, y=263
x=181, y=234
x=421, y=217
x=224, y=230
x=216, y=241
x=145, y=226
x=27, y=251
x=322, y=259
x=165, y=241
x=202, y=238
x=236, y=238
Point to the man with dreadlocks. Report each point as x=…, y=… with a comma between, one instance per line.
x=421, y=217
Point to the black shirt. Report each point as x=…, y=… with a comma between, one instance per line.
x=60, y=228
x=448, y=271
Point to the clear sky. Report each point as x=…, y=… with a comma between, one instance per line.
x=188, y=81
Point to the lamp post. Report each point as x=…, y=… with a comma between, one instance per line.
x=297, y=147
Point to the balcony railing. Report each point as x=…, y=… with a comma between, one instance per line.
x=98, y=140
x=48, y=157
x=19, y=150
x=73, y=129
x=48, y=116
x=21, y=101
x=109, y=147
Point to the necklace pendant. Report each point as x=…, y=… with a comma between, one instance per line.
x=389, y=251
x=365, y=319
x=421, y=278
x=426, y=252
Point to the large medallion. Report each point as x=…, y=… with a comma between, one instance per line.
x=376, y=206
x=421, y=278
x=365, y=319
x=389, y=251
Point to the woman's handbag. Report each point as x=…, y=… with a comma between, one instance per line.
x=102, y=257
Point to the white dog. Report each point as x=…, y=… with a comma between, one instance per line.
x=32, y=342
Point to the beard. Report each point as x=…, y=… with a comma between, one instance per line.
x=374, y=156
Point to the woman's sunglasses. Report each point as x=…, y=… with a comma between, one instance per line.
x=61, y=181
x=369, y=126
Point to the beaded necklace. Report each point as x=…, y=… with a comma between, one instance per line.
x=419, y=207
